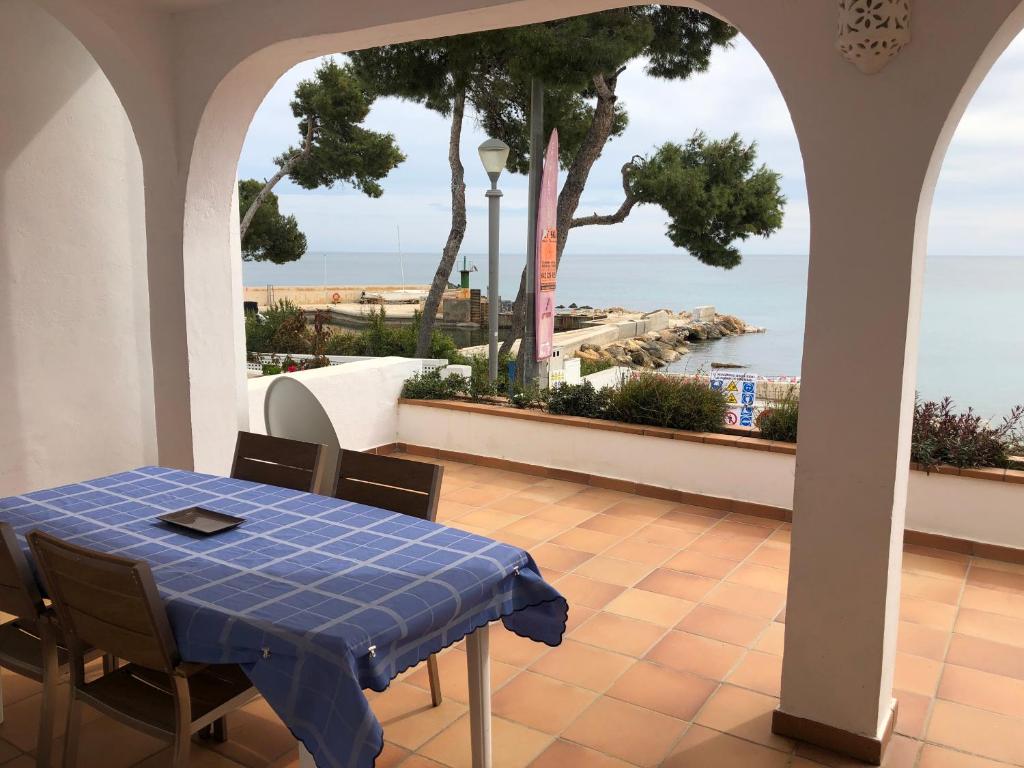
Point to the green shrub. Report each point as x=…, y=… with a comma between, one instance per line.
x=433, y=385
x=779, y=420
x=282, y=328
x=668, y=401
x=942, y=436
x=580, y=400
x=588, y=367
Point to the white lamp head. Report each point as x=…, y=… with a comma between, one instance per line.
x=493, y=154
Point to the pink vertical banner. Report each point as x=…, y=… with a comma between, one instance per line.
x=546, y=268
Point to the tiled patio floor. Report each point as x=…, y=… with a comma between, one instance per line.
x=672, y=657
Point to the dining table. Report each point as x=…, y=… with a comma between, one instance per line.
x=318, y=599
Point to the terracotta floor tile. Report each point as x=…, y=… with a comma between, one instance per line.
x=590, y=593
x=613, y=524
x=983, y=690
x=8, y=751
x=202, y=757
x=760, y=577
x=613, y=571
x=997, y=565
x=927, y=612
x=477, y=495
x=687, y=520
x=772, y=554
x=451, y=510
x=535, y=528
x=623, y=730
x=687, y=586
x=705, y=748
x=994, y=601
x=455, y=677
x=578, y=615
x=565, y=754
x=417, y=761
x=640, y=508
x=663, y=610
x=920, y=640
x=933, y=566
x=701, y=564
x=619, y=634
x=733, y=528
x=986, y=655
x=516, y=504
x=972, y=730
x=746, y=600
x=583, y=665
x=760, y=672
x=725, y=547
x=594, y=499
x=912, y=713
x=700, y=655
x=510, y=648
x=745, y=714
x=665, y=536
x=17, y=687
x=917, y=674
x=673, y=693
x=550, y=491
x=106, y=743
x=559, y=513
x=991, y=626
x=755, y=520
x=541, y=703
x=489, y=518
x=939, y=590
x=558, y=557
x=720, y=624
x=939, y=757
x=988, y=578
x=772, y=640
x=640, y=552
x=586, y=540
x=514, y=745
x=408, y=716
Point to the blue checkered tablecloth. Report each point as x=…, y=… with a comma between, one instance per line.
x=317, y=598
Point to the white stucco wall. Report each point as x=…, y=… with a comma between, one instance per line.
x=75, y=365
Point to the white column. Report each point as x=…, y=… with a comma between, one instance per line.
x=859, y=371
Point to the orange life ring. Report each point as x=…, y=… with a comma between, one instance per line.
x=336, y=297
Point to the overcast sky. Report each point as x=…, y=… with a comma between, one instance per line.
x=976, y=210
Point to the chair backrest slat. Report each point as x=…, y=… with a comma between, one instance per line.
x=19, y=594
x=107, y=602
x=408, y=487
x=277, y=461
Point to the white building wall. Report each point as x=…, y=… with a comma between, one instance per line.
x=75, y=364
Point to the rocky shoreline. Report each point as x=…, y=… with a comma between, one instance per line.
x=656, y=349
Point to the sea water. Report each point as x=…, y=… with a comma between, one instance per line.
x=971, y=347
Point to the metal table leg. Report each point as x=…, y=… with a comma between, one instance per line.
x=305, y=759
x=478, y=660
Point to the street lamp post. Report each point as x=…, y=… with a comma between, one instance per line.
x=493, y=154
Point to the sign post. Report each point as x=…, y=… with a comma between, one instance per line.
x=547, y=252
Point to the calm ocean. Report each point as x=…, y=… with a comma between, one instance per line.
x=971, y=347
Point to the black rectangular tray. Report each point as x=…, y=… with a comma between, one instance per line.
x=199, y=520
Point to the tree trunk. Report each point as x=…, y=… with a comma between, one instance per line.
x=284, y=170
x=569, y=198
x=455, y=234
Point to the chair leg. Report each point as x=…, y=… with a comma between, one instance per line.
x=1, y=699
x=109, y=663
x=48, y=709
x=182, y=722
x=220, y=729
x=71, y=734
x=435, y=680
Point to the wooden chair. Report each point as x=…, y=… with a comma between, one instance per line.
x=399, y=485
x=112, y=603
x=277, y=461
x=31, y=644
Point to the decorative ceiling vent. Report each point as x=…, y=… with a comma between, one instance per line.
x=871, y=32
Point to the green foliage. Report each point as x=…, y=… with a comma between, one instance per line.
x=580, y=400
x=588, y=367
x=433, y=385
x=779, y=420
x=271, y=236
x=342, y=150
x=712, y=193
x=668, y=401
x=942, y=436
x=281, y=329
x=382, y=340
